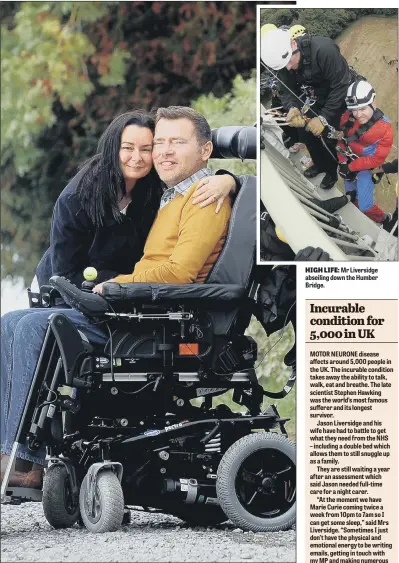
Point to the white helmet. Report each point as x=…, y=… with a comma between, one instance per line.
x=266, y=28
x=275, y=49
x=360, y=94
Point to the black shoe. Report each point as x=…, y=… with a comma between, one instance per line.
x=352, y=195
x=328, y=181
x=331, y=205
x=311, y=172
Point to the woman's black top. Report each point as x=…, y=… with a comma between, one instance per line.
x=114, y=247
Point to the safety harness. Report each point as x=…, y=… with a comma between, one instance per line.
x=347, y=151
x=304, y=43
x=377, y=115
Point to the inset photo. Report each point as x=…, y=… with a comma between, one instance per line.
x=328, y=82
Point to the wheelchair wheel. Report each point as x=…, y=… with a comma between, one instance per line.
x=60, y=509
x=196, y=515
x=256, y=482
x=107, y=514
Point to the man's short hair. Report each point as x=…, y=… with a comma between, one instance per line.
x=201, y=126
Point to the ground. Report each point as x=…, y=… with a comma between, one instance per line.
x=26, y=536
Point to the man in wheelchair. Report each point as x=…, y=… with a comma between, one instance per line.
x=119, y=422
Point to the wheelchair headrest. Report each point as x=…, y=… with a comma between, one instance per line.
x=234, y=142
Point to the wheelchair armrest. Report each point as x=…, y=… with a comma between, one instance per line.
x=90, y=304
x=93, y=305
x=159, y=293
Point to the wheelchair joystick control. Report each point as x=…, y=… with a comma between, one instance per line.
x=89, y=274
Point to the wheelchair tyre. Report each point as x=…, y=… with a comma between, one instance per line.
x=256, y=482
x=109, y=504
x=195, y=515
x=60, y=510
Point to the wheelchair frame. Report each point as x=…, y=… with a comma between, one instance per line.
x=70, y=373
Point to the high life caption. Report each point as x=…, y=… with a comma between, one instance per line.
x=317, y=277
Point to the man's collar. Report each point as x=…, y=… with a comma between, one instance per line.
x=183, y=186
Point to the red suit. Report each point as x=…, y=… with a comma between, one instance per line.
x=372, y=147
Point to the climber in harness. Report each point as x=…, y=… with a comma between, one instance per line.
x=270, y=88
x=367, y=141
x=315, y=78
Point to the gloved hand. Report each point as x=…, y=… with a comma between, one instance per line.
x=315, y=126
x=312, y=254
x=295, y=118
x=345, y=172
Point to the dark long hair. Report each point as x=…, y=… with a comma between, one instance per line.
x=102, y=183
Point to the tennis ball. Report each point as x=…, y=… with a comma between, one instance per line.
x=90, y=273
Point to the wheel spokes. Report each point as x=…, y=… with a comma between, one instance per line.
x=266, y=491
x=253, y=497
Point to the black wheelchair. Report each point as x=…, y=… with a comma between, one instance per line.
x=133, y=424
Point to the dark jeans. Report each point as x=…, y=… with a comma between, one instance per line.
x=22, y=334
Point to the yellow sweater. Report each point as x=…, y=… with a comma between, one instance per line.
x=183, y=244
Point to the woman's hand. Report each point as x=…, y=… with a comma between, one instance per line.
x=214, y=188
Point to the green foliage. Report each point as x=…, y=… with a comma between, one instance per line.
x=24, y=225
x=278, y=16
x=238, y=107
x=70, y=67
x=43, y=60
x=80, y=11
x=319, y=21
x=331, y=24
x=116, y=66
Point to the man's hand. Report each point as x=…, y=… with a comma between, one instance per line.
x=295, y=118
x=99, y=288
x=214, y=188
x=315, y=126
x=312, y=254
x=345, y=172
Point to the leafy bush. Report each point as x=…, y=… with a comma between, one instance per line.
x=68, y=68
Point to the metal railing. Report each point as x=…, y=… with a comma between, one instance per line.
x=300, y=219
